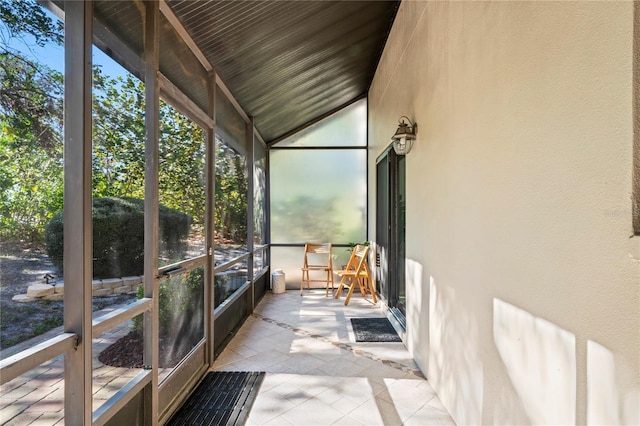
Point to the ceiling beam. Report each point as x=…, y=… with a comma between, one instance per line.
x=183, y=103
x=165, y=9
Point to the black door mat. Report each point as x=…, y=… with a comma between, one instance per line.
x=222, y=398
x=374, y=330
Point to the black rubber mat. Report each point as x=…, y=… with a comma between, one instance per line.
x=374, y=330
x=222, y=398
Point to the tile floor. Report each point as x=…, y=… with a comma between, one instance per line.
x=318, y=375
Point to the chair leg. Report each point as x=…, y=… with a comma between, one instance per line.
x=373, y=291
x=340, y=287
x=351, y=288
x=329, y=281
x=363, y=290
x=326, y=293
x=303, y=280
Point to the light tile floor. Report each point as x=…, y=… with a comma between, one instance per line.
x=316, y=374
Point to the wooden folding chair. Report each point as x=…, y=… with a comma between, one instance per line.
x=317, y=257
x=357, y=272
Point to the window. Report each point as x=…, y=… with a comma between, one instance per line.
x=318, y=181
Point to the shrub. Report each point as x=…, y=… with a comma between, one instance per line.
x=181, y=308
x=118, y=236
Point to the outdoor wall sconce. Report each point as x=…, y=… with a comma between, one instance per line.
x=405, y=135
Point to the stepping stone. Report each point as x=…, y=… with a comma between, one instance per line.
x=56, y=296
x=22, y=298
x=40, y=290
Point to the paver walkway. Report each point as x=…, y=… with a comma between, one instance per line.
x=37, y=397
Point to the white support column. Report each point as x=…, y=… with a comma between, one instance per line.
x=78, y=242
x=210, y=226
x=151, y=201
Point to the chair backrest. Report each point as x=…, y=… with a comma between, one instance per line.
x=315, y=253
x=358, y=259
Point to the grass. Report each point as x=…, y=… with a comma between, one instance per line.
x=46, y=325
x=22, y=322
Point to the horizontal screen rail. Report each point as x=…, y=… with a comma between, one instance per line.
x=224, y=266
x=112, y=319
x=118, y=401
x=20, y=363
x=183, y=265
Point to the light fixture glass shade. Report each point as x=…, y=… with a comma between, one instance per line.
x=403, y=139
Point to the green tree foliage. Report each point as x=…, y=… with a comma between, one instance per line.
x=118, y=153
x=30, y=124
x=118, y=136
x=31, y=141
x=30, y=145
x=182, y=164
x=231, y=194
x=25, y=17
x=259, y=187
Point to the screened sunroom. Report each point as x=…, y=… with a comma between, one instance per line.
x=159, y=160
x=203, y=143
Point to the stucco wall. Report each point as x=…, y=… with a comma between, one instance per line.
x=522, y=277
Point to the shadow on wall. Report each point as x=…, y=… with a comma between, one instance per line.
x=455, y=368
x=417, y=304
x=534, y=378
x=611, y=397
x=540, y=358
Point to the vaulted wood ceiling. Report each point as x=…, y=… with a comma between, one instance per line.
x=287, y=63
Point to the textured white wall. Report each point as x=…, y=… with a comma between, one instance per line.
x=523, y=279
